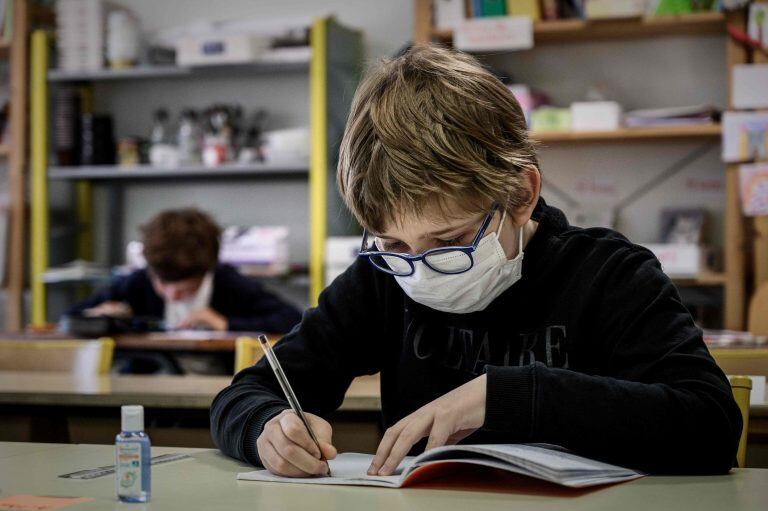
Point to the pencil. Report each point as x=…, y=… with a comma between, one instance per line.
x=289, y=395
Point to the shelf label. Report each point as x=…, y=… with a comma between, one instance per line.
x=494, y=33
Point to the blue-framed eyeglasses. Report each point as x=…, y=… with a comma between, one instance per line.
x=447, y=260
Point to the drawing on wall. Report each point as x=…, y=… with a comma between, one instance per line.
x=745, y=136
x=758, y=23
x=754, y=189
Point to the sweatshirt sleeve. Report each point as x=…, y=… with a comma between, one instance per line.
x=115, y=291
x=259, y=310
x=657, y=401
x=335, y=342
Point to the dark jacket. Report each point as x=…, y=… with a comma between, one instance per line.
x=592, y=350
x=243, y=301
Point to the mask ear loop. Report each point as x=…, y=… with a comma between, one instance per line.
x=501, y=224
x=520, y=237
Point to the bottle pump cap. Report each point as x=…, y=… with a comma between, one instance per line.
x=132, y=418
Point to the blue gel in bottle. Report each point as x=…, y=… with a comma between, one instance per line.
x=133, y=469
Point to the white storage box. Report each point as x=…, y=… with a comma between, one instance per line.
x=595, y=116
x=256, y=250
x=288, y=146
x=340, y=253
x=679, y=260
x=215, y=49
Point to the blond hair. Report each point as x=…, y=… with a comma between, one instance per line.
x=431, y=127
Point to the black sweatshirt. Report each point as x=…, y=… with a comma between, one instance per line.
x=592, y=350
x=243, y=301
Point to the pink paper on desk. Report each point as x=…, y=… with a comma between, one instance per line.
x=32, y=502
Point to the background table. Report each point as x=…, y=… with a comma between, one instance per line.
x=202, y=340
x=208, y=482
x=215, y=348
x=158, y=391
x=53, y=407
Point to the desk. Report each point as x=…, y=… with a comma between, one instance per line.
x=167, y=391
x=747, y=361
x=55, y=407
x=195, y=341
x=207, y=481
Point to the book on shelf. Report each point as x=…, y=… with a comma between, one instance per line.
x=530, y=8
x=671, y=116
x=540, y=461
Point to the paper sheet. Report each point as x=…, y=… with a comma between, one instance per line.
x=349, y=468
x=32, y=502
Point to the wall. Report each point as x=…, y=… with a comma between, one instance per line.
x=386, y=25
x=643, y=73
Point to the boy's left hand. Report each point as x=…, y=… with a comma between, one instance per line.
x=446, y=421
x=207, y=318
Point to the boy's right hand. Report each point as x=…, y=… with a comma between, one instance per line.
x=113, y=309
x=286, y=449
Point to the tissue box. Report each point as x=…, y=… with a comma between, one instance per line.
x=215, y=49
x=595, y=116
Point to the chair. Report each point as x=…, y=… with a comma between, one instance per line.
x=69, y=356
x=741, y=387
x=758, y=311
x=248, y=351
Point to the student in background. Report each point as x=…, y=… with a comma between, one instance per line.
x=490, y=318
x=185, y=284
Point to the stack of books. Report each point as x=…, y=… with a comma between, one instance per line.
x=80, y=34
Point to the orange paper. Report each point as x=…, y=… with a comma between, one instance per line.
x=33, y=503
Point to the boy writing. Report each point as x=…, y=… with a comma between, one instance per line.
x=489, y=317
x=186, y=286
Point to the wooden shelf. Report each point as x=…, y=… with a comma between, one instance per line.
x=570, y=30
x=704, y=279
x=115, y=172
x=272, y=62
x=624, y=134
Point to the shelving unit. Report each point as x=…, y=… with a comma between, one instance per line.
x=732, y=279
x=624, y=134
x=273, y=65
x=571, y=30
x=115, y=172
x=16, y=152
x=333, y=62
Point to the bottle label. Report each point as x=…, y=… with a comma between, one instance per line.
x=129, y=469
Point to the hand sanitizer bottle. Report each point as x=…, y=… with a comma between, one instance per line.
x=132, y=463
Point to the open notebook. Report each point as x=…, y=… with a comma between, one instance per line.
x=547, y=462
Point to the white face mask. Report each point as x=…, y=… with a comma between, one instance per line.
x=178, y=310
x=473, y=290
